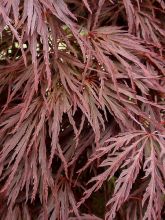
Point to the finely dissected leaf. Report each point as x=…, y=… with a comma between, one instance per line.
x=153, y=194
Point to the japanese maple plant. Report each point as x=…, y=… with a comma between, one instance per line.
x=82, y=109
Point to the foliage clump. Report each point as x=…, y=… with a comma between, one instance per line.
x=82, y=109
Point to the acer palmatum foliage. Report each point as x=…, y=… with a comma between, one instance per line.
x=82, y=109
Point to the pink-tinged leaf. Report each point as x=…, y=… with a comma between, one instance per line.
x=87, y=5
x=152, y=197
x=125, y=181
